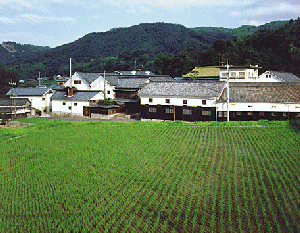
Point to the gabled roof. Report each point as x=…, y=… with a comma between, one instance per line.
x=196, y=89
x=28, y=91
x=285, y=77
x=78, y=96
x=256, y=92
x=88, y=77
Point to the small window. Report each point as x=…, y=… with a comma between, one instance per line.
x=261, y=114
x=233, y=74
x=184, y=101
x=273, y=114
x=203, y=102
x=169, y=110
x=70, y=107
x=167, y=101
x=249, y=106
x=273, y=106
x=152, y=109
x=249, y=113
x=108, y=92
x=242, y=74
x=43, y=99
x=187, y=112
x=150, y=100
x=75, y=104
x=238, y=113
x=206, y=113
x=77, y=81
x=64, y=103
x=284, y=114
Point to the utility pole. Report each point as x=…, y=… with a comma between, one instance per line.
x=104, y=88
x=227, y=91
x=14, y=98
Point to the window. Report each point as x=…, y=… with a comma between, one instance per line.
x=169, y=110
x=64, y=103
x=77, y=81
x=187, y=111
x=233, y=74
x=249, y=106
x=150, y=100
x=238, y=113
x=242, y=74
x=152, y=109
x=108, y=92
x=284, y=114
x=43, y=99
x=167, y=101
x=206, y=113
x=261, y=114
x=249, y=113
x=70, y=107
x=75, y=104
x=273, y=106
x=184, y=101
x=203, y=102
x=273, y=114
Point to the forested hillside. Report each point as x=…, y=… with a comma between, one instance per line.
x=163, y=48
x=116, y=49
x=271, y=49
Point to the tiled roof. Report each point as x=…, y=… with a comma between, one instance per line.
x=285, y=77
x=28, y=91
x=78, y=96
x=89, y=77
x=9, y=102
x=134, y=83
x=183, y=89
x=262, y=93
x=162, y=78
x=147, y=73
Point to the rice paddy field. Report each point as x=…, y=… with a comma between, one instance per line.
x=59, y=176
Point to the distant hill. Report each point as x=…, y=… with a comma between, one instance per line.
x=245, y=30
x=12, y=51
x=118, y=48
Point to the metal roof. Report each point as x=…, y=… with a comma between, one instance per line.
x=195, y=89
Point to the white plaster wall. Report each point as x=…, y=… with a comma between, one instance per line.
x=250, y=75
x=99, y=85
x=192, y=102
x=59, y=108
x=260, y=107
x=263, y=78
x=84, y=86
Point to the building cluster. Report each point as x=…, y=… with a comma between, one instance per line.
x=203, y=96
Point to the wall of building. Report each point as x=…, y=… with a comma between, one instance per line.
x=173, y=101
x=71, y=108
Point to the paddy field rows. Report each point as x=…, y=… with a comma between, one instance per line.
x=58, y=176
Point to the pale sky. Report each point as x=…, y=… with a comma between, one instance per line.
x=56, y=22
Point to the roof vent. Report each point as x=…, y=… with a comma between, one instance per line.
x=133, y=72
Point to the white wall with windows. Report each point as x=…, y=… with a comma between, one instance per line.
x=260, y=107
x=191, y=102
x=268, y=77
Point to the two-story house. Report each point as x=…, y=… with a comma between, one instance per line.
x=39, y=97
